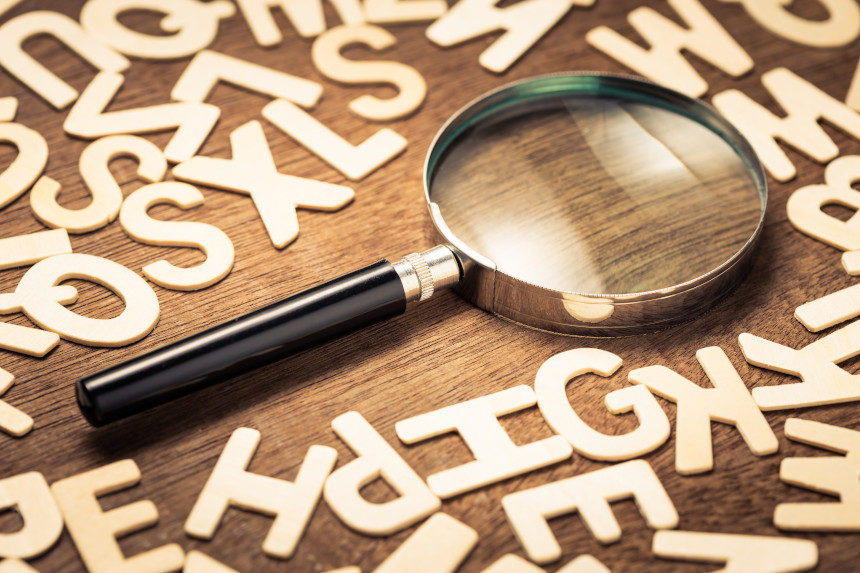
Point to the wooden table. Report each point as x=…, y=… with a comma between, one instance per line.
x=441, y=353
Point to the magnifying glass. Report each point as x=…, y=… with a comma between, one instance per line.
x=585, y=204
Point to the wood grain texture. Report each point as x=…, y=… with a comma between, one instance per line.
x=441, y=353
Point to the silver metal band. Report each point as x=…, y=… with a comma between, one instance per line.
x=425, y=277
x=422, y=274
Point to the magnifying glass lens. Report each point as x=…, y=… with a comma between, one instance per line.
x=589, y=193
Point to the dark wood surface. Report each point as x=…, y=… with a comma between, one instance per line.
x=441, y=353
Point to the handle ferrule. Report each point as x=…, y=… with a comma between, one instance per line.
x=424, y=273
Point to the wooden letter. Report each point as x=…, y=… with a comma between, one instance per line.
x=89, y=120
x=292, y=503
x=26, y=250
x=356, y=162
x=15, y=566
x=829, y=475
x=823, y=382
x=410, y=84
x=208, y=68
x=496, y=456
x=305, y=15
x=94, y=531
x=33, y=247
x=36, y=296
x=804, y=104
x=8, y=108
x=386, y=11
x=30, y=72
x=190, y=26
x=512, y=563
x=523, y=23
x=804, y=206
x=550, y=382
x=440, y=545
x=663, y=62
x=840, y=28
x=106, y=193
x=252, y=171
x=29, y=495
x=728, y=402
x=198, y=562
x=829, y=310
x=590, y=495
x=851, y=262
x=853, y=97
x=758, y=553
x=375, y=459
x=26, y=340
x=27, y=166
x=35, y=341
x=214, y=243
x=12, y=420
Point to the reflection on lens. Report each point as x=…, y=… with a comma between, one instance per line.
x=596, y=194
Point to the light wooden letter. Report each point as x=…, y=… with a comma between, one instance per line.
x=590, y=495
x=356, y=162
x=823, y=382
x=19, y=251
x=199, y=562
x=512, y=563
x=31, y=498
x=42, y=301
x=409, y=83
x=829, y=475
x=830, y=309
x=27, y=165
x=12, y=420
x=190, y=26
x=439, y=545
x=853, y=97
x=851, y=262
x=208, y=68
x=375, y=459
x=30, y=72
x=33, y=247
x=95, y=171
x=8, y=108
x=89, y=120
x=214, y=243
x=523, y=23
x=841, y=27
x=292, y=503
x=805, y=212
x=382, y=11
x=740, y=553
x=15, y=566
x=550, y=383
x=728, y=402
x=804, y=104
x=663, y=62
x=305, y=15
x=94, y=531
x=252, y=171
x=496, y=456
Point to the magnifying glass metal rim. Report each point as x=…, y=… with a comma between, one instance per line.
x=544, y=308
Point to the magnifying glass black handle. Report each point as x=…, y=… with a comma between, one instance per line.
x=321, y=313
